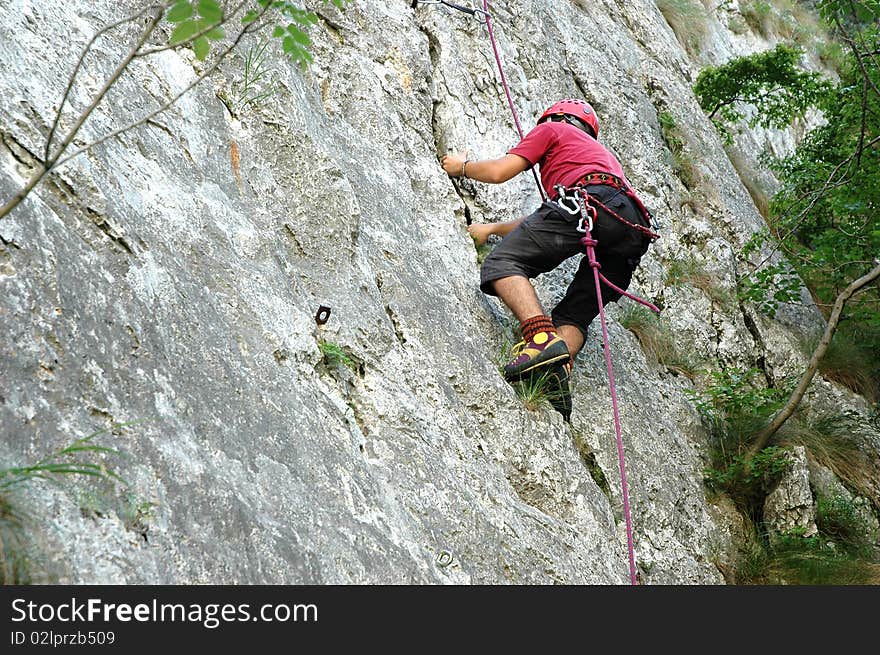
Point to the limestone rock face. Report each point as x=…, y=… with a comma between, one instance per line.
x=789, y=507
x=170, y=277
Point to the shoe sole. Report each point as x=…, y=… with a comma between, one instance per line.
x=519, y=375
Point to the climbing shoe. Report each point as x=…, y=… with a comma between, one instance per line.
x=543, y=349
x=558, y=389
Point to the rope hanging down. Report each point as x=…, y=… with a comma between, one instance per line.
x=483, y=16
x=588, y=212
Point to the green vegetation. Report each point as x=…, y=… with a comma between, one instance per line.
x=482, y=251
x=834, y=442
x=735, y=405
x=771, y=81
x=682, y=163
x=75, y=459
x=771, y=285
x=839, y=518
x=200, y=25
x=687, y=18
x=823, y=219
x=256, y=84
x=758, y=15
x=199, y=22
x=67, y=460
x=537, y=390
x=689, y=271
x=658, y=340
x=852, y=360
x=786, y=18
x=822, y=559
x=336, y=355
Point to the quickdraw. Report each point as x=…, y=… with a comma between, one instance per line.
x=478, y=14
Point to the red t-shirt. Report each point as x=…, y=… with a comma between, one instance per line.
x=565, y=154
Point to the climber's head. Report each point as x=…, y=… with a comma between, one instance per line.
x=575, y=112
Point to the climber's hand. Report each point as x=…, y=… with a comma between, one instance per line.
x=480, y=232
x=452, y=163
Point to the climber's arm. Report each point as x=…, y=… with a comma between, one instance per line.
x=481, y=231
x=493, y=171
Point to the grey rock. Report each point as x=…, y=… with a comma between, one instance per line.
x=789, y=507
x=151, y=280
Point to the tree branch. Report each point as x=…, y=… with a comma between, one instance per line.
x=79, y=63
x=170, y=46
x=50, y=164
x=168, y=104
x=794, y=400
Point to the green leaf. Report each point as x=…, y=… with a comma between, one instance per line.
x=250, y=17
x=180, y=12
x=299, y=35
x=184, y=31
x=278, y=32
x=201, y=46
x=210, y=11
x=216, y=33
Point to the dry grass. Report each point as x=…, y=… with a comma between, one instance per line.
x=658, y=340
x=834, y=443
x=683, y=164
x=687, y=18
x=690, y=271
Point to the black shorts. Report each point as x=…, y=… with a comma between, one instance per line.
x=549, y=236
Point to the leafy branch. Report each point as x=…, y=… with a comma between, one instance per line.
x=66, y=460
x=198, y=24
x=771, y=81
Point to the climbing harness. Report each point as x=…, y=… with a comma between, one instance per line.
x=571, y=200
x=582, y=204
x=609, y=179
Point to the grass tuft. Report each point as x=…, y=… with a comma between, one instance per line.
x=658, y=340
x=336, y=355
x=687, y=18
x=689, y=271
x=852, y=360
x=833, y=442
x=682, y=163
x=74, y=459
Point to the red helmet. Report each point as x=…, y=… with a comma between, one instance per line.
x=576, y=108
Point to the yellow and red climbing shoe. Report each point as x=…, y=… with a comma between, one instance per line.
x=543, y=349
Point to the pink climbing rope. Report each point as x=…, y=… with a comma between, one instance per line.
x=507, y=88
x=616, y=288
x=589, y=243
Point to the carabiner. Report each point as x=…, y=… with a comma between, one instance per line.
x=588, y=212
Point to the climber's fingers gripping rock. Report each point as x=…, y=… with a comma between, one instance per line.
x=453, y=163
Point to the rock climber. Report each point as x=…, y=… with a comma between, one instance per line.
x=564, y=144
